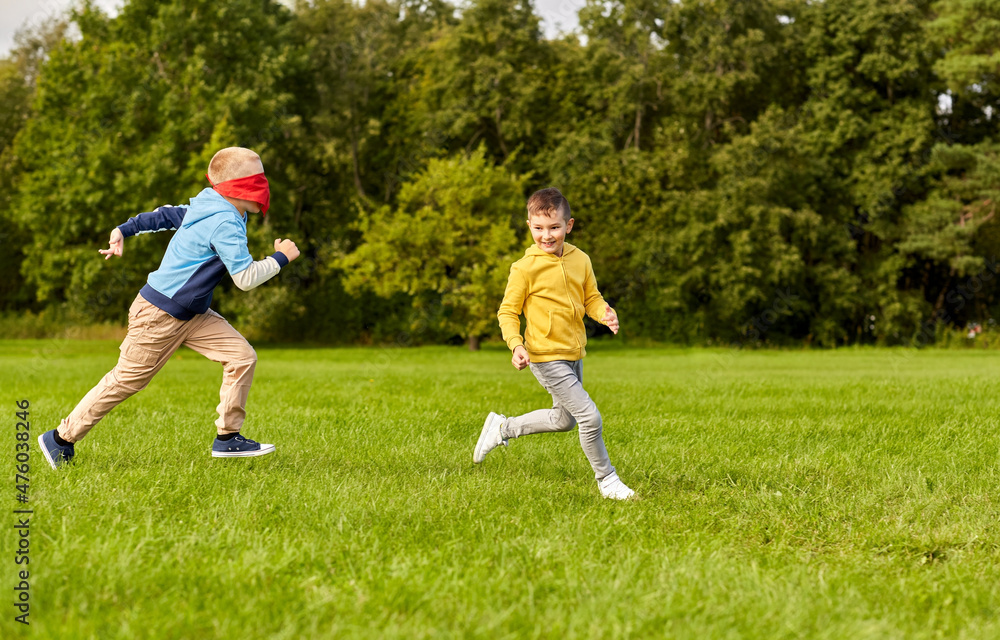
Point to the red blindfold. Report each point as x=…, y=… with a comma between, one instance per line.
x=253, y=188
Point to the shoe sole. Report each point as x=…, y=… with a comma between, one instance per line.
x=263, y=451
x=618, y=497
x=477, y=455
x=45, y=452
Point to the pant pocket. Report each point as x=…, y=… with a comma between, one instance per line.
x=547, y=373
x=136, y=307
x=135, y=354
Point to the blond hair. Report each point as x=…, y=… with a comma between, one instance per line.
x=233, y=162
x=549, y=202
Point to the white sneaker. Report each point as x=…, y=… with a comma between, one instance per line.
x=489, y=437
x=613, y=487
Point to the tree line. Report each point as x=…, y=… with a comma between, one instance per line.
x=741, y=171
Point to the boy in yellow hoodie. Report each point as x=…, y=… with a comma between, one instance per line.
x=554, y=285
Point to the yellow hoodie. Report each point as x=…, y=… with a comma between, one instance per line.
x=554, y=293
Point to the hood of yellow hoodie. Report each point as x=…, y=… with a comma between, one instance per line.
x=533, y=250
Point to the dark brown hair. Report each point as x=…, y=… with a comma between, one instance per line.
x=549, y=202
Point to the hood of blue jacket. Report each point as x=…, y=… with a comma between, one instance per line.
x=207, y=204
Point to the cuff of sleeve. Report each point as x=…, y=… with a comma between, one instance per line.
x=127, y=229
x=280, y=258
x=514, y=342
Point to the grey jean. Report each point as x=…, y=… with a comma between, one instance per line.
x=570, y=405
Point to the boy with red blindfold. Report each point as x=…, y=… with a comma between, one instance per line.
x=173, y=308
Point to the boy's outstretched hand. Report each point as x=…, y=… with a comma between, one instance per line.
x=286, y=247
x=520, y=359
x=115, y=245
x=611, y=320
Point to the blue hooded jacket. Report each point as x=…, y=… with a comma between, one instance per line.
x=211, y=240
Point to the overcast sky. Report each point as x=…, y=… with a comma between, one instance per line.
x=16, y=13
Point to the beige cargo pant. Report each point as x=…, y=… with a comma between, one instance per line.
x=153, y=336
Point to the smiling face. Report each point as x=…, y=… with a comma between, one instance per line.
x=549, y=232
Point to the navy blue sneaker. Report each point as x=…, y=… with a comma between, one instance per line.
x=53, y=452
x=239, y=447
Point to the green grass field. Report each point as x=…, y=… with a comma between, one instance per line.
x=847, y=494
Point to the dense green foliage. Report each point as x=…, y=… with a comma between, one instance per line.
x=448, y=245
x=783, y=495
x=740, y=170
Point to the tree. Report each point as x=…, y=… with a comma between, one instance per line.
x=448, y=243
x=125, y=119
x=967, y=29
x=484, y=81
x=18, y=76
x=869, y=120
x=955, y=226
